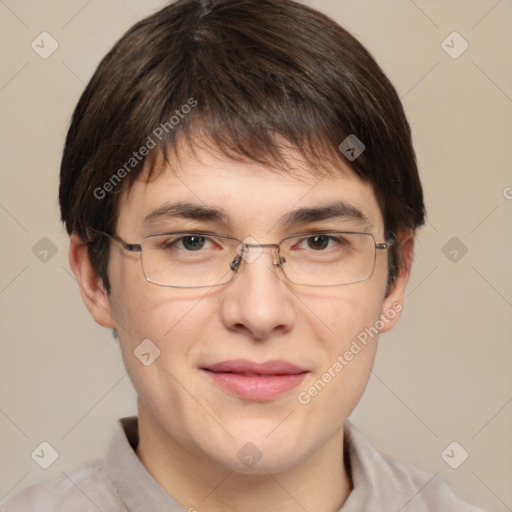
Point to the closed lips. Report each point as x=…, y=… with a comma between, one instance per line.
x=253, y=369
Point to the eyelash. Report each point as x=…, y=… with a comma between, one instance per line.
x=209, y=237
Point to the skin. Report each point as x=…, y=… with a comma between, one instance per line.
x=190, y=429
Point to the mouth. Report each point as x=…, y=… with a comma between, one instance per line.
x=255, y=381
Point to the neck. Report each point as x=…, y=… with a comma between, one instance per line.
x=321, y=482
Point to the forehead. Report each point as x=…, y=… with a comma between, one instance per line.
x=206, y=185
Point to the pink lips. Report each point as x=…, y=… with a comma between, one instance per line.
x=256, y=381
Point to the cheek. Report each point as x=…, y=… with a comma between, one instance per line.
x=344, y=329
x=352, y=352
x=144, y=310
x=175, y=322
x=337, y=317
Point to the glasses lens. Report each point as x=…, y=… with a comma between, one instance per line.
x=187, y=260
x=328, y=259
x=195, y=260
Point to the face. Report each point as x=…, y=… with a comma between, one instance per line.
x=292, y=361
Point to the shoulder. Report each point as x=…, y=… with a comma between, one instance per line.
x=386, y=480
x=86, y=489
x=423, y=490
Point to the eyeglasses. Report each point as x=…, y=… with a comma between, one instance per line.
x=185, y=259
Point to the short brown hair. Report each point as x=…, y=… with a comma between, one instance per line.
x=255, y=71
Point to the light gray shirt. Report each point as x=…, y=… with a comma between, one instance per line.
x=119, y=482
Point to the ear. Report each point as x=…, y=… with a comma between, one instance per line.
x=93, y=292
x=393, y=303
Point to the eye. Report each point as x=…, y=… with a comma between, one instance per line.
x=318, y=242
x=321, y=241
x=192, y=242
x=324, y=243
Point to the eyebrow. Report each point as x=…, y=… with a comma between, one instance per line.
x=335, y=210
x=306, y=215
x=187, y=210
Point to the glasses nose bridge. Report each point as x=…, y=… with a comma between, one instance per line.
x=276, y=247
x=243, y=253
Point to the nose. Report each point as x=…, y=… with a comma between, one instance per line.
x=258, y=302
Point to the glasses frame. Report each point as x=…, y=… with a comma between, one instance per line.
x=235, y=265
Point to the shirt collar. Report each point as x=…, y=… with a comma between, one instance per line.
x=132, y=481
x=141, y=492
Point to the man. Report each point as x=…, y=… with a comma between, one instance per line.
x=241, y=194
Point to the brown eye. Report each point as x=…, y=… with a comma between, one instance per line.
x=318, y=241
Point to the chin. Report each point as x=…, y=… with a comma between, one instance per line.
x=258, y=454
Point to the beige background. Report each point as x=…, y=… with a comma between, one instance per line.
x=442, y=375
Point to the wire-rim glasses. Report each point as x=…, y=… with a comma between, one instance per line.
x=198, y=259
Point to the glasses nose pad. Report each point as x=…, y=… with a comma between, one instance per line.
x=235, y=264
x=278, y=259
